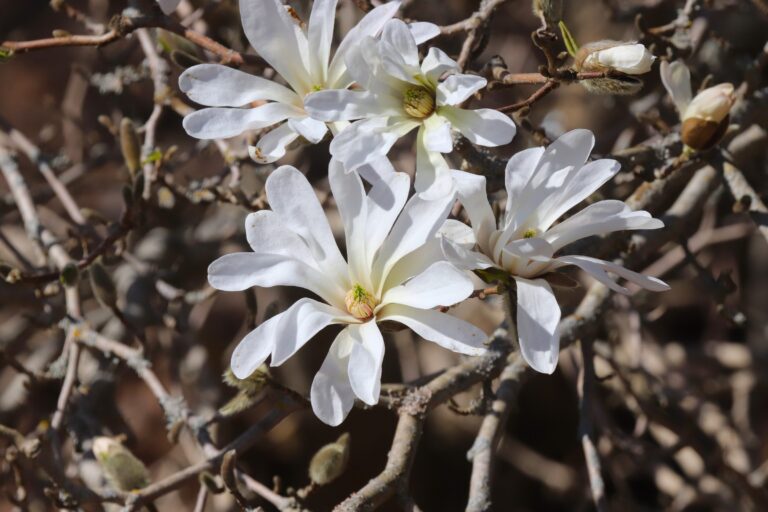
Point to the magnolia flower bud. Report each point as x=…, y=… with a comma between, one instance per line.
x=625, y=57
x=130, y=146
x=123, y=470
x=330, y=461
x=706, y=117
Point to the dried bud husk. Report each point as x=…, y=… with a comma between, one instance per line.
x=70, y=275
x=123, y=470
x=706, y=117
x=130, y=146
x=330, y=461
x=549, y=11
x=102, y=285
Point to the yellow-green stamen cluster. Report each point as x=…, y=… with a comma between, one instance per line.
x=418, y=102
x=360, y=303
x=529, y=233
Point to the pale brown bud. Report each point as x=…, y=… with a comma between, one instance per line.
x=130, y=146
x=330, y=461
x=123, y=470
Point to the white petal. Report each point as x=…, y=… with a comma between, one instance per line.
x=222, y=123
x=294, y=200
x=242, y=270
x=168, y=6
x=385, y=201
x=474, y=199
x=537, y=317
x=433, y=177
x=423, y=31
x=309, y=128
x=598, y=219
x=418, y=223
x=345, y=105
x=677, y=80
x=368, y=140
x=457, y=88
x=320, y=37
x=441, y=284
x=436, y=64
x=370, y=25
x=276, y=37
x=396, y=34
x=271, y=147
x=463, y=257
x=348, y=191
x=365, y=361
x=214, y=85
x=458, y=232
x=302, y=321
x=599, y=270
x=331, y=394
x=267, y=234
x=445, y=330
x=437, y=134
x=484, y=126
x=571, y=149
x=633, y=59
x=255, y=347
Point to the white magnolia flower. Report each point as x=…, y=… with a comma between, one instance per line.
x=704, y=116
x=168, y=6
x=301, y=56
x=630, y=58
x=394, y=271
x=401, y=94
x=543, y=184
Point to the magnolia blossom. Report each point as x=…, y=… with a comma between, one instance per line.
x=704, y=116
x=393, y=272
x=301, y=56
x=542, y=185
x=168, y=6
x=629, y=58
x=401, y=94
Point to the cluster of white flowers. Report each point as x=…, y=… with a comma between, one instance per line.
x=404, y=257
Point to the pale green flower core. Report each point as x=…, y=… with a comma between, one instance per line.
x=529, y=233
x=418, y=102
x=360, y=303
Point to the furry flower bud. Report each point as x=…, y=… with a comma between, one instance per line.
x=706, y=117
x=605, y=56
x=123, y=470
x=330, y=461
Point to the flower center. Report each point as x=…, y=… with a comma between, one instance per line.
x=360, y=303
x=418, y=102
x=529, y=233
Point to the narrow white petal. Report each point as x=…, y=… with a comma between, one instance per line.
x=365, y=361
x=441, y=284
x=255, y=347
x=445, y=330
x=485, y=127
x=677, y=80
x=599, y=270
x=302, y=321
x=242, y=270
x=633, y=59
x=458, y=232
x=294, y=200
x=423, y=31
x=366, y=141
x=571, y=149
x=474, y=199
x=168, y=6
x=309, y=128
x=598, y=219
x=385, y=201
x=414, y=263
x=537, y=317
x=437, y=134
x=267, y=234
x=348, y=191
x=517, y=174
x=331, y=394
x=214, y=85
x=271, y=147
x=457, y=88
x=275, y=36
x=370, y=25
x=222, y=123
x=464, y=257
x=433, y=176
x=345, y=105
x=320, y=37
x=397, y=34
x=436, y=64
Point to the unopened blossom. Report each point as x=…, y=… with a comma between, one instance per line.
x=542, y=185
x=705, y=116
x=629, y=58
x=400, y=94
x=300, y=54
x=168, y=6
x=393, y=272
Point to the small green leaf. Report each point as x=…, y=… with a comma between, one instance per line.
x=153, y=157
x=570, y=42
x=5, y=54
